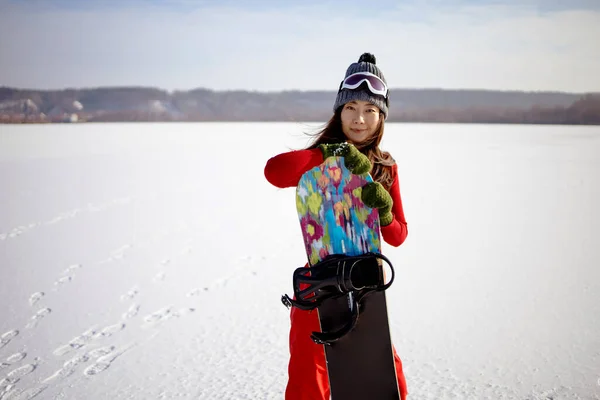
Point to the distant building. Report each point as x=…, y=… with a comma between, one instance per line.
x=24, y=106
x=66, y=112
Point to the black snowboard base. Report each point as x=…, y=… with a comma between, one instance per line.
x=349, y=295
x=360, y=364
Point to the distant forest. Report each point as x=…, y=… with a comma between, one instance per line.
x=121, y=104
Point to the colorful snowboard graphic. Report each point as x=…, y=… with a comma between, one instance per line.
x=332, y=216
x=334, y=221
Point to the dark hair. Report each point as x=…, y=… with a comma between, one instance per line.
x=382, y=161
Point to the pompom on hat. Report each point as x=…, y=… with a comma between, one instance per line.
x=366, y=63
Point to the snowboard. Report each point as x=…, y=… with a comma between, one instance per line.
x=336, y=224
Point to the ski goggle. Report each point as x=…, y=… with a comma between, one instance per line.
x=375, y=84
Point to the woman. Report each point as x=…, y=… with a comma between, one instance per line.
x=354, y=132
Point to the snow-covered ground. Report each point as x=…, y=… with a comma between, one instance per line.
x=146, y=261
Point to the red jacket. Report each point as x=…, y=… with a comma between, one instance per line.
x=285, y=170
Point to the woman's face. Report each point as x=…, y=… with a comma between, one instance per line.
x=360, y=120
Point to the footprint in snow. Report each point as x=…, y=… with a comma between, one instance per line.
x=72, y=268
x=101, y=351
x=7, y=384
x=89, y=335
x=160, y=315
x=63, y=216
x=70, y=366
x=109, y=330
x=159, y=277
x=34, y=298
x=15, y=358
x=99, y=366
x=166, y=313
x=19, y=230
x=130, y=294
x=65, y=279
x=19, y=394
x=195, y=292
x=117, y=254
x=37, y=317
x=16, y=232
x=16, y=374
x=7, y=337
x=103, y=362
x=131, y=312
x=77, y=342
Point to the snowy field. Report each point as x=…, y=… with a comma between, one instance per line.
x=146, y=261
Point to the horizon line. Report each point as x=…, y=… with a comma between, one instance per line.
x=172, y=91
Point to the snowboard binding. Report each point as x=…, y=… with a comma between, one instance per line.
x=338, y=275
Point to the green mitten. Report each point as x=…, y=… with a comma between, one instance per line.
x=374, y=195
x=354, y=160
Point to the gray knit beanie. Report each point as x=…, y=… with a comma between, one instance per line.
x=366, y=63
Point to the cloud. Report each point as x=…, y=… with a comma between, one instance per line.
x=301, y=47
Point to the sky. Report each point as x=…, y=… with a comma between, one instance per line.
x=268, y=45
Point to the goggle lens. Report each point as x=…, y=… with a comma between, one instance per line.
x=375, y=82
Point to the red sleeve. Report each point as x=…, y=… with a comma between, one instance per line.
x=284, y=170
x=396, y=232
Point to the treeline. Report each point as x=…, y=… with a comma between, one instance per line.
x=584, y=111
x=407, y=105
